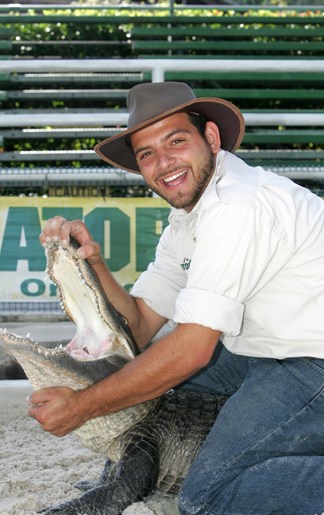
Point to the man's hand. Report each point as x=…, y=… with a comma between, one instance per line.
x=59, y=227
x=58, y=410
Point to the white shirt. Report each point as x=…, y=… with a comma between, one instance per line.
x=248, y=260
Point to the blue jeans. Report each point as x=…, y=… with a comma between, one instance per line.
x=265, y=453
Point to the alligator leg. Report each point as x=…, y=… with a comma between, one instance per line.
x=88, y=484
x=133, y=477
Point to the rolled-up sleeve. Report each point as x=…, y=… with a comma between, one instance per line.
x=159, y=291
x=209, y=309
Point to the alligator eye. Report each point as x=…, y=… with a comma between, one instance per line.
x=123, y=318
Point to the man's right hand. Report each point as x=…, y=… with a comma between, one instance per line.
x=59, y=227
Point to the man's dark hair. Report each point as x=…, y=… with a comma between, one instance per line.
x=199, y=122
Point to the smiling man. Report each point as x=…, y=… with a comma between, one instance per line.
x=242, y=259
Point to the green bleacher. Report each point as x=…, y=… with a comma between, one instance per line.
x=270, y=63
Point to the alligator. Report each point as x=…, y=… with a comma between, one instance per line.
x=146, y=447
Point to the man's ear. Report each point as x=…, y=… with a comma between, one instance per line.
x=213, y=137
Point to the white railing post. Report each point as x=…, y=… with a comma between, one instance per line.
x=157, y=73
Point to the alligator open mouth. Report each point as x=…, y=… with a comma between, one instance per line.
x=100, y=329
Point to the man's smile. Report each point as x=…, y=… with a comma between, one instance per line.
x=175, y=179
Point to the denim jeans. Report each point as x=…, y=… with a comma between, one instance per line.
x=265, y=453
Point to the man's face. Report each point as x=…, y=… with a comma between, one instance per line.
x=175, y=160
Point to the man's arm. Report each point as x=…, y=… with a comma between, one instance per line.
x=166, y=363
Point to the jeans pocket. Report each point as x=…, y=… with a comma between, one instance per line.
x=309, y=371
x=316, y=363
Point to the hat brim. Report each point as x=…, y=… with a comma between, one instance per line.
x=117, y=151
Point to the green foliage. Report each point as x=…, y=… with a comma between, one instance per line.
x=86, y=33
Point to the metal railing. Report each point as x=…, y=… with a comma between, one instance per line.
x=169, y=7
x=158, y=67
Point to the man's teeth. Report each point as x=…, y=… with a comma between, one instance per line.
x=175, y=176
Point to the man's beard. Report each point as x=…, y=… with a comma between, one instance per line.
x=184, y=200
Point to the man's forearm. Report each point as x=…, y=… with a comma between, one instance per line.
x=168, y=362
x=120, y=298
x=165, y=364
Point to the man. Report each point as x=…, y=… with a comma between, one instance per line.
x=253, y=248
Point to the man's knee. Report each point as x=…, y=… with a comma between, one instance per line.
x=189, y=504
x=193, y=497
x=203, y=495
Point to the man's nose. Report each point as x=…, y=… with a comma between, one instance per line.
x=165, y=160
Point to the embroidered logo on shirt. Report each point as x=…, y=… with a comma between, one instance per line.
x=186, y=264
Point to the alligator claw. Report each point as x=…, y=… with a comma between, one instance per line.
x=89, y=484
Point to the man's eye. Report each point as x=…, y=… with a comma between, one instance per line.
x=144, y=155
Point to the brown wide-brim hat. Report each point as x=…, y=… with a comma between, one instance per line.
x=149, y=103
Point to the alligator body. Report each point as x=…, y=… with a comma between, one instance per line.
x=147, y=446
